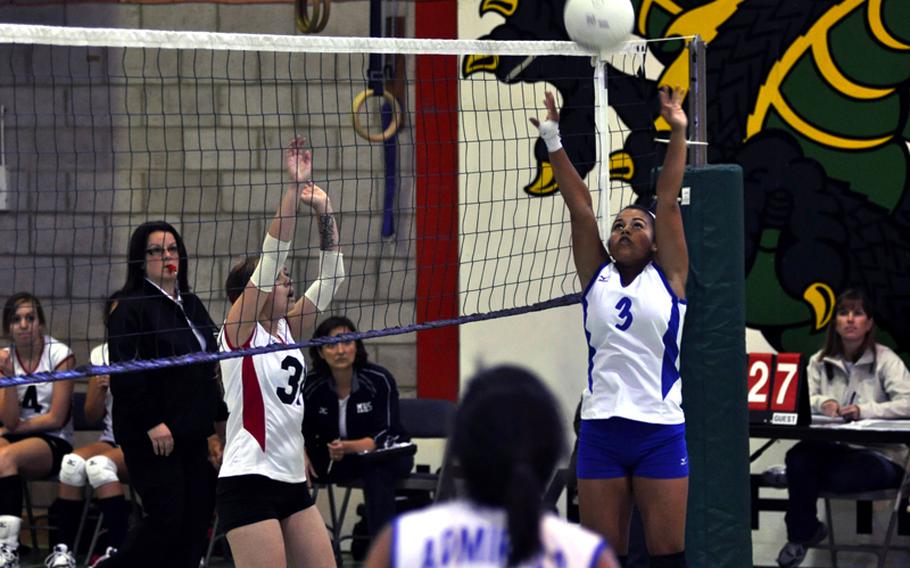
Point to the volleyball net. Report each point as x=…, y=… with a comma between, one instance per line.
x=444, y=198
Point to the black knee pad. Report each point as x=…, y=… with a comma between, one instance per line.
x=675, y=560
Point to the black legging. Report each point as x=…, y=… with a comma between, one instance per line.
x=178, y=497
x=379, y=478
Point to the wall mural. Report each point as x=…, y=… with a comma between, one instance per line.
x=810, y=97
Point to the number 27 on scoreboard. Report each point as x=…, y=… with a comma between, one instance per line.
x=776, y=386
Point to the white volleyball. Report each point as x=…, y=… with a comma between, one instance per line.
x=599, y=24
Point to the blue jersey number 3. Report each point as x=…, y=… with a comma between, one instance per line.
x=625, y=312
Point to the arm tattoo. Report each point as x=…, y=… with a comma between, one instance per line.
x=327, y=232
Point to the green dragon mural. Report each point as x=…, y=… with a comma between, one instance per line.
x=811, y=98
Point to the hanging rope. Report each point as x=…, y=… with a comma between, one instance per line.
x=375, y=86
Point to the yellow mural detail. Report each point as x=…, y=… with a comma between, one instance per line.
x=769, y=95
x=879, y=31
x=821, y=136
x=820, y=298
x=836, y=79
x=544, y=183
x=704, y=21
x=504, y=7
x=646, y=6
x=477, y=63
x=622, y=166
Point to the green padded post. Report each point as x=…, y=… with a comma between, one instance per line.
x=713, y=371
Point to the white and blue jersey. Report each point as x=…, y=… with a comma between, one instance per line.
x=460, y=533
x=634, y=331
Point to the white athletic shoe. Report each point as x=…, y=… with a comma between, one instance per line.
x=60, y=557
x=9, y=557
x=111, y=551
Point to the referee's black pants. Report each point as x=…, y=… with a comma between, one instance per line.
x=178, y=499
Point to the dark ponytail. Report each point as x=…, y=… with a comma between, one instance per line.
x=508, y=438
x=523, y=508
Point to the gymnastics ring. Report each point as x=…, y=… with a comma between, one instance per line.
x=390, y=131
x=319, y=20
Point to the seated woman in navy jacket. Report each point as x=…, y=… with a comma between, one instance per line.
x=351, y=406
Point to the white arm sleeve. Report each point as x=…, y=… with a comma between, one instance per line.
x=274, y=253
x=331, y=275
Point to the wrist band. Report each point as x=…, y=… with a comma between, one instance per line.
x=549, y=133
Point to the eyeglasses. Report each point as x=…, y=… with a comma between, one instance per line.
x=159, y=251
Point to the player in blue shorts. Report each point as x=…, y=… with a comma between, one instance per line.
x=632, y=438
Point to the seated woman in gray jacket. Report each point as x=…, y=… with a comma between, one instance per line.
x=852, y=377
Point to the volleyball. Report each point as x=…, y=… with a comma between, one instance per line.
x=599, y=24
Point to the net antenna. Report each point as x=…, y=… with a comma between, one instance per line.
x=110, y=128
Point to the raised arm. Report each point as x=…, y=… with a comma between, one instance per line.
x=244, y=313
x=302, y=316
x=587, y=248
x=672, y=254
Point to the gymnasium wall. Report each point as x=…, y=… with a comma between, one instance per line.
x=67, y=231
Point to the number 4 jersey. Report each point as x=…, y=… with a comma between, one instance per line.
x=634, y=331
x=264, y=396
x=35, y=399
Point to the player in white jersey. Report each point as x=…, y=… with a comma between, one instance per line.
x=508, y=437
x=99, y=464
x=263, y=501
x=37, y=428
x=632, y=438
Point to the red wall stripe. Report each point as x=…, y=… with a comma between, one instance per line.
x=436, y=135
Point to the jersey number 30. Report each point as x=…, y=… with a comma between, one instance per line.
x=288, y=394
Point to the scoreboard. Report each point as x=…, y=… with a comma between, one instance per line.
x=777, y=388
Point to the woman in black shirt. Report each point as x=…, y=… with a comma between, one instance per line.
x=350, y=407
x=163, y=417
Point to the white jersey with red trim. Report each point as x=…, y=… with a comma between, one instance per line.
x=99, y=357
x=460, y=533
x=264, y=395
x=35, y=399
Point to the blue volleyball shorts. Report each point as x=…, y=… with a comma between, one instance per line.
x=619, y=447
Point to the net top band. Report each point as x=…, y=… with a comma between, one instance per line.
x=163, y=39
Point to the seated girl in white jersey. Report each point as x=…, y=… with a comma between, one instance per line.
x=632, y=439
x=99, y=464
x=37, y=428
x=263, y=502
x=508, y=438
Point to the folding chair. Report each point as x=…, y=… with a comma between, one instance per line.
x=881, y=551
x=80, y=424
x=422, y=419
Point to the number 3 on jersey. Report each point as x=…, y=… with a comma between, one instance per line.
x=625, y=313
x=289, y=394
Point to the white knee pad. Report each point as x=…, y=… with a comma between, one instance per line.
x=9, y=530
x=72, y=470
x=101, y=470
